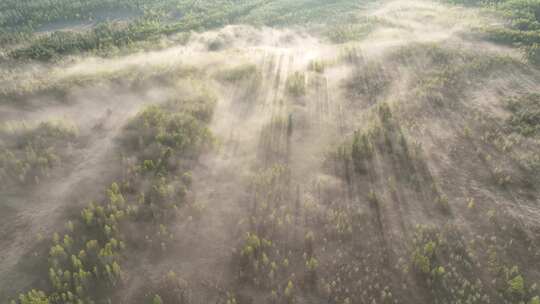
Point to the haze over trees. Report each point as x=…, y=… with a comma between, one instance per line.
x=269, y=151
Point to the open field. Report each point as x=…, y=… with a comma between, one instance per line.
x=269, y=151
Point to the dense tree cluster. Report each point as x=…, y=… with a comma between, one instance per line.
x=28, y=153
x=150, y=20
x=161, y=144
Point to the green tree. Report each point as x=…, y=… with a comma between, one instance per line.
x=33, y=297
x=516, y=286
x=157, y=300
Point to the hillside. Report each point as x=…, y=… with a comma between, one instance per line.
x=269, y=151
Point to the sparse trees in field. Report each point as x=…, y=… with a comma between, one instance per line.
x=351, y=245
x=90, y=257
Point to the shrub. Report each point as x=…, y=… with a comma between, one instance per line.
x=296, y=84
x=516, y=286
x=525, y=114
x=238, y=73
x=32, y=297
x=157, y=300
x=317, y=66
x=369, y=80
x=362, y=150
x=158, y=132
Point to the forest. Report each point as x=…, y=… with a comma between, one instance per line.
x=270, y=152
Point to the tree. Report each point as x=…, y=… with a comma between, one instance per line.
x=516, y=286
x=289, y=292
x=33, y=297
x=157, y=300
x=290, y=126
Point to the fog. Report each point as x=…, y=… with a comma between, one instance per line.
x=258, y=124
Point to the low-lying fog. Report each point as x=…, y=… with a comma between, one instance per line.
x=105, y=93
